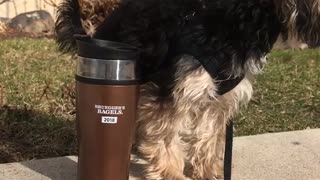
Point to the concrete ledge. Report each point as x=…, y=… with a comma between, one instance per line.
x=280, y=156
x=285, y=156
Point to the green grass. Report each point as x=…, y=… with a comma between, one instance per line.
x=36, y=101
x=287, y=95
x=37, y=98
x=34, y=75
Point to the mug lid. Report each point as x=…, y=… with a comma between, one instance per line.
x=89, y=47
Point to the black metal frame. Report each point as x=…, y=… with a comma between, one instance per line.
x=228, y=152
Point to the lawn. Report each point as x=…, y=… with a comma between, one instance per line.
x=287, y=95
x=37, y=98
x=36, y=101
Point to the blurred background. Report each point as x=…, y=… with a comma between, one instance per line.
x=31, y=16
x=11, y=8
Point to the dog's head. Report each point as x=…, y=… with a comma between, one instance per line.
x=256, y=24
x=300, y=18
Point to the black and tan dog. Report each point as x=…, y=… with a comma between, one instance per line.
x=198, y=57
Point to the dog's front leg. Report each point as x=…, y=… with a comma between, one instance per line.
x=165, y=160
x=157, y=137
x=208, y=140
x=207, y=150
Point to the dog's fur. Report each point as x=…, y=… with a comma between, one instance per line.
x=94, y=12
x=190, y=48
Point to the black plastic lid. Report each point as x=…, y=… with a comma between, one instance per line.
x=107, y=50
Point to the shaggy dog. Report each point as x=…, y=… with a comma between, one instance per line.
x=198, y=57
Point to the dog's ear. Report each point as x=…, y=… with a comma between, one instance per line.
x=308, y=21
x=301, y=19
x=68, y=24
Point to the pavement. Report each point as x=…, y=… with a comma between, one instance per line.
x=279, y=156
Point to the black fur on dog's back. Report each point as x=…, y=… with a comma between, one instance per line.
x=230, y=38
x=222, y=34
x=68, y=24
x=151, y=25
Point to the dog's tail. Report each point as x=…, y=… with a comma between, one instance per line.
x=68, y=24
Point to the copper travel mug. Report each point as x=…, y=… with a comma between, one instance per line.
x=107, y=85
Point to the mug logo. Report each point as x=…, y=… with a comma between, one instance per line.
x=110, y=110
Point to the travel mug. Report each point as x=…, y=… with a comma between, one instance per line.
x=107, y=89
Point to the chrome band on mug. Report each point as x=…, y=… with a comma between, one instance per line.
x=118, y=70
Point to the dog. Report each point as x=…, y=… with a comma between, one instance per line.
x=198, y=61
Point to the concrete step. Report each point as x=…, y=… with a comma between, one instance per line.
x=279, y=156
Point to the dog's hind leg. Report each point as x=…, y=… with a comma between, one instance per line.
x=157, y=136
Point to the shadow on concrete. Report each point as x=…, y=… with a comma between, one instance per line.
x=63, y=168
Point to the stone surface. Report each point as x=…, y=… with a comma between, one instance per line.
x=32, y=22
x=279, y=156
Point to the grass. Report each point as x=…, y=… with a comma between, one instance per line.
x=287, y=95
x=36, y=101
x=37, y=98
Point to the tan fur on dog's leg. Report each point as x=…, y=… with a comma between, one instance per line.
x=202, y=130
x=208, y=156
x=158, y=137
x=208, y=141
x=166, y=161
